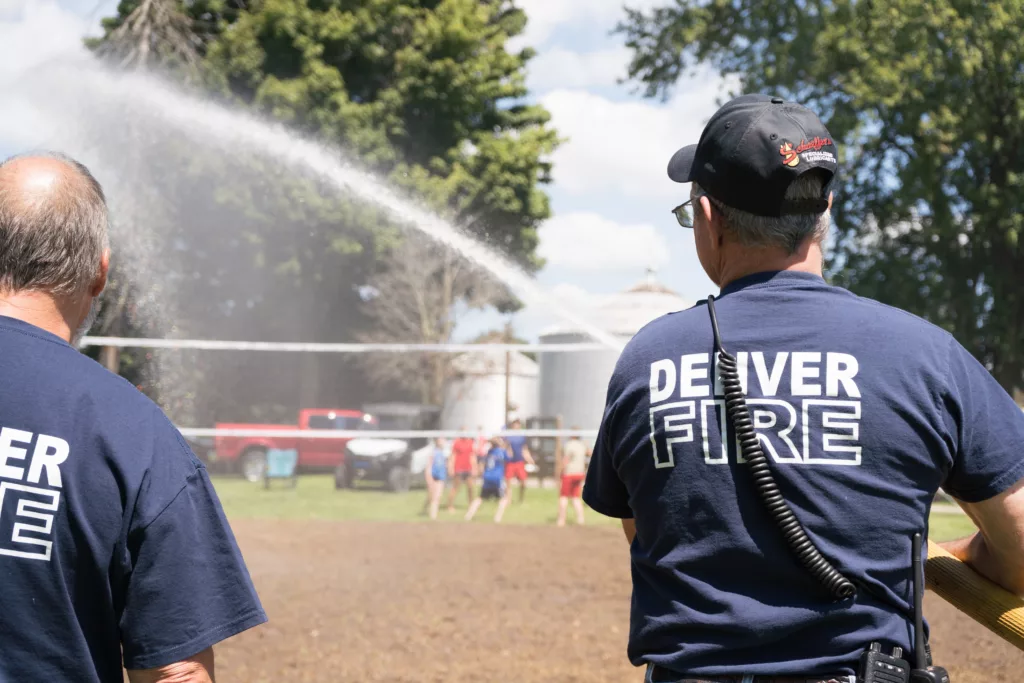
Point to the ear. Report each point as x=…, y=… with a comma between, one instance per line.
x=830, y=196
x=100, y=282
x=705, y=207
x=711, y=219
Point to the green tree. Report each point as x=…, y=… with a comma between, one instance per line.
x=926, y=98
x=422, y=92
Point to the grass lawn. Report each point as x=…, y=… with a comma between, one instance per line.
x=315, y=498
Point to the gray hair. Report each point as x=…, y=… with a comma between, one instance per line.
x=786, y=232
x=53, y=242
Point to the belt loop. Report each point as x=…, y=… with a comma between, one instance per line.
x=748, y=678
x=649, y=675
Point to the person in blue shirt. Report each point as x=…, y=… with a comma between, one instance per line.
x=114, y=549
x=520, y=458
x=493, y=485
x=437, y=476
x=862, y=410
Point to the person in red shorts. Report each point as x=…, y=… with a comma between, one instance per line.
x=463, y=468
x=520, y=452
x=574, y=469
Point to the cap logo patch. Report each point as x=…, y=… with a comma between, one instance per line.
x=789, y=155
x=808, y=150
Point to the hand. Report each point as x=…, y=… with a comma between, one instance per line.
x=196, y=669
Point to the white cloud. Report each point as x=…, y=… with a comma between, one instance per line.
x=587, y=241
x=545, y=16
x=560, y=68
x=31, y=35
x=35, y=32
x=623, y=147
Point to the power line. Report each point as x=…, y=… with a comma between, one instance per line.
x=292, y=347
x=376, y=434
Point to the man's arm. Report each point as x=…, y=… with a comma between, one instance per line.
x=186, y=586
x=629, y=527
x=527, y=456
x=197, y=669
x=997, y=550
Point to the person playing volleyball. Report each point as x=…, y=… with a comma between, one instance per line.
x=574, y=469
x=493, y=486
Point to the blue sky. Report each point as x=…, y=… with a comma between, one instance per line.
x=610, y=197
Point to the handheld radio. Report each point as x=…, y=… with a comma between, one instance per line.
x=875, y=666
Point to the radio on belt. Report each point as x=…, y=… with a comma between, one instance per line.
x=877, y=667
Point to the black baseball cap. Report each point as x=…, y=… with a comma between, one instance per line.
x=752, y=149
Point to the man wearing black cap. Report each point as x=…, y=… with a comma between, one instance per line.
x=862, y=411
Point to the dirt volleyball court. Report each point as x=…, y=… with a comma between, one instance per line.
x=413, y=602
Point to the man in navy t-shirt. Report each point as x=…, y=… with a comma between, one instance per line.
x=112, y=540
x=862, y=410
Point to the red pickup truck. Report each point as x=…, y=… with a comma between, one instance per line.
x=248, y=454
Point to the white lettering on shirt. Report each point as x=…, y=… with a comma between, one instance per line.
x=802, y=371
x=662, y=390
x=690, y=372
x=27, y=512
x=769, y=381
x=815, y=420
x=8, y=452
x=50, y=453
x=841, y=368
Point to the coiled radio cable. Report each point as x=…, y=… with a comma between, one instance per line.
x=743, y=424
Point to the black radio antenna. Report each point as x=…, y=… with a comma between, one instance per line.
x=917, y=585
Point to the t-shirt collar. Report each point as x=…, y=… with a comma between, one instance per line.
x=773, y=278
x=15, y=324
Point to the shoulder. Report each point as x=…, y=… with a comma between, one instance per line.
x=132, y=425
x=900, y=319
x=81, y=379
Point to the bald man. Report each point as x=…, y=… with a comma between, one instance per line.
x=113, y=546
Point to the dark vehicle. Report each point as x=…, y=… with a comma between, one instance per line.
x=397, y=463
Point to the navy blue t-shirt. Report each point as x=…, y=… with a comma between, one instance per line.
x=111, y=534
x=863, y=410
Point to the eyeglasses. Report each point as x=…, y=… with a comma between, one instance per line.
x=684, y=213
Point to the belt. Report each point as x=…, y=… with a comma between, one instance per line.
x=657, y=674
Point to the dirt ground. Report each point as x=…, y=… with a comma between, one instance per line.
x=365, y=601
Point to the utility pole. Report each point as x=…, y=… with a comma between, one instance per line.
x=508, y=372
x=110, y=358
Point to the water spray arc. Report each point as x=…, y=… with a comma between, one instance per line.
x=219, y=126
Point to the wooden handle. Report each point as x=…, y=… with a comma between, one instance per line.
x=993, y=607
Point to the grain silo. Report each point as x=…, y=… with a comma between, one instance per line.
x=475, y=397
x=573, y=385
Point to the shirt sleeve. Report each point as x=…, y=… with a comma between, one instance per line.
x=603, y=489
x=188, y=587
x=987, y=428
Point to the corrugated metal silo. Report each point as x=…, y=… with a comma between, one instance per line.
x=574, y=385
x=476, y=397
